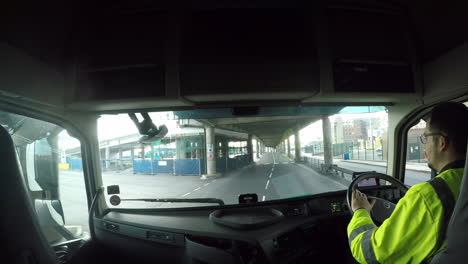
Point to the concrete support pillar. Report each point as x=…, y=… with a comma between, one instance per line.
x=297, y=145
x=132, y=153
x=106, y=157
x=327, y=141
x=225, y=148
x=119, y=162
x=250, y=148
x=143, y=152
x=210, y=155
x=152, y=153
x=258, y=149
x=180, y=148
x=288, y=147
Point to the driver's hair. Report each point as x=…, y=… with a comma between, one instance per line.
x=451, y=119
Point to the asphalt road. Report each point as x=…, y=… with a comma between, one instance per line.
x=274, y=176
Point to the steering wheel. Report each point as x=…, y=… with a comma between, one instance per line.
x=382, y=208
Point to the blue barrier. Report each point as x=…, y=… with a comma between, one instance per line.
x=75, y=164
x=153, y=166
x=203, y=166
x=188, y=166
x=163, y=166
x=142, y=166
x=221, y=165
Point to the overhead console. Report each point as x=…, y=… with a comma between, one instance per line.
x=369, y=49
x=238, y=51
x=121, y=56
x=208, y=55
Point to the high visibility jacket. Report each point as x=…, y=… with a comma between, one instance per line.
x=411, y=233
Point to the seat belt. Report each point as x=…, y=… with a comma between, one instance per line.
x=448, y=203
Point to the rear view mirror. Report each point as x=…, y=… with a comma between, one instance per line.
x=46, y=166
x=150, y=133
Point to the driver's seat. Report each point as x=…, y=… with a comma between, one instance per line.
x=19, y=226
x=456, y=248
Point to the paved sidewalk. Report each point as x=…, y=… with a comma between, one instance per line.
x=412, y=166
x=420, y=167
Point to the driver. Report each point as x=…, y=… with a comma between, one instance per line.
x=415, y=231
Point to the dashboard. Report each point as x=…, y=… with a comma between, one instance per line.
x=309, y=228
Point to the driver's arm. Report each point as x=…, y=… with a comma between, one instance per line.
x=407, y=236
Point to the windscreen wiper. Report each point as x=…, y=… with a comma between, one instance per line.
x=177, y=200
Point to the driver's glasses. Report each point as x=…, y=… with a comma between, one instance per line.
x=423, y=137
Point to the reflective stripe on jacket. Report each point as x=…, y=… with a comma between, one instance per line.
x=410, y=234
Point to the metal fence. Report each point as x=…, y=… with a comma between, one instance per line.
x=358, y=150
x=362, y=151
x=319, y=166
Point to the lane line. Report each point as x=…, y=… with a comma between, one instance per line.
x=197, y=189
x=206, y=184
x=270, y=176
x=186, y=194
x=263, y=199
x=266, y=186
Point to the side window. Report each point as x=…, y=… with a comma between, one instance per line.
x=52, y=168
x=416, y=169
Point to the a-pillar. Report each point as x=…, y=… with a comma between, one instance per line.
x=210, y=154
x=297, y=145
x=250, y=148
x=107, y=157
x=327, y=142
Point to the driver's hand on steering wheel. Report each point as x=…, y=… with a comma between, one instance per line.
x=359, y=200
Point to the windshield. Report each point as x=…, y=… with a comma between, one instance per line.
x=272, y=152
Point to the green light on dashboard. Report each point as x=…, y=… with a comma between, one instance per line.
x=335, y=207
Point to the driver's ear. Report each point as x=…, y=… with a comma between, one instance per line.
x=443, y=143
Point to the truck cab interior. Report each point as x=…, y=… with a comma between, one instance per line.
x=217, y=131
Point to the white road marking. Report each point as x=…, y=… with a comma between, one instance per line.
x=197, y=189
x=186, y=194
x=270, y=176
x=266, y=186
x=263, y=199
x=206, y=184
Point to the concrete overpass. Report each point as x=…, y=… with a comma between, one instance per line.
x=272, y=128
